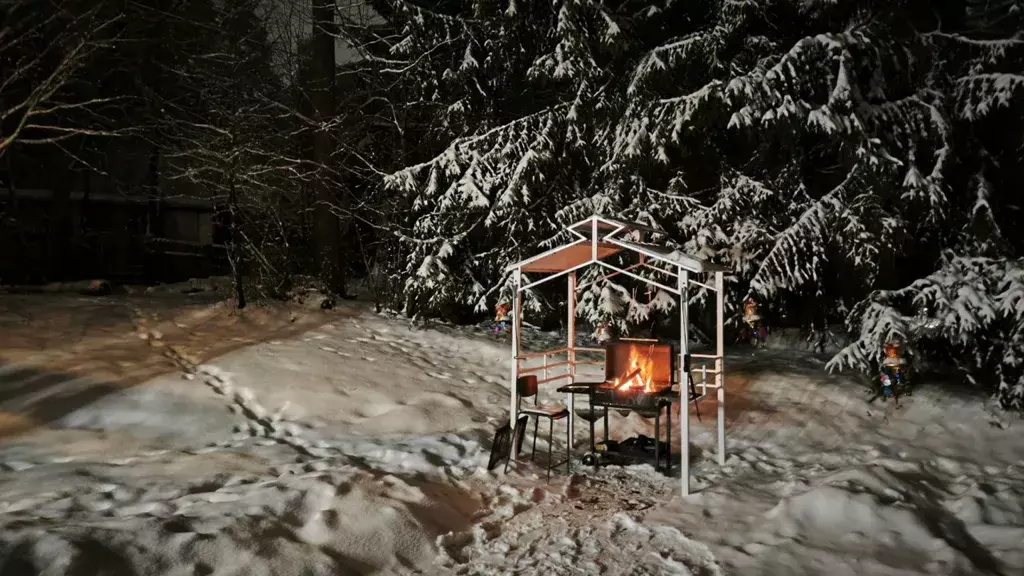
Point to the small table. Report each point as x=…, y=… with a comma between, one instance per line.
x=665, y=400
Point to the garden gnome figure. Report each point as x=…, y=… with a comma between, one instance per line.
x=894, y=372
x=502, y=317
x=752, y=318
x=602, y=333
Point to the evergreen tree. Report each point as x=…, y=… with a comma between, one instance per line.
x=837, y=157
x=517, y=89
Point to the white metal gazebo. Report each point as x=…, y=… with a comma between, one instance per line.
x=600, y=238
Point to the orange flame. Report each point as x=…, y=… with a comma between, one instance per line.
x=640, y=373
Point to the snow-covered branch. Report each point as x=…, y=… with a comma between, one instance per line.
x=43, y=53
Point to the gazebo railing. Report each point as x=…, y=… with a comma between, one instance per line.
x=703, y=365
x=546, y=365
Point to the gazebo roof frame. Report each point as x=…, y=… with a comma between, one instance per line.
x=603, y=240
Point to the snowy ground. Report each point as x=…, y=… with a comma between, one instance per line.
x=359, y=448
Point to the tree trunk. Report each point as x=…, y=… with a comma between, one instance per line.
x=233, y=260
x=59, y=241
x=326, y=231
x=16, y=260
x=156, y=221
x=12, y=191
x=155, y=262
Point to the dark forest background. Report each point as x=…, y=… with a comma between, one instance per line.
x=854, y=162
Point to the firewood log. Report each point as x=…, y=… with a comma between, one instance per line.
x=632, y=374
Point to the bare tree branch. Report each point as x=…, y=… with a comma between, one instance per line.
x=44, y=47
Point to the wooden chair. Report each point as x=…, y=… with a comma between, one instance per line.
x=526, y=387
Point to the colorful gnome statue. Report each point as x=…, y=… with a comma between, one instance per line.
x=894, y=372
x=602, y=333
x=752, y=318
x=502, y=317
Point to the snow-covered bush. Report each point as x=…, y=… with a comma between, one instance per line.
x=971, y=311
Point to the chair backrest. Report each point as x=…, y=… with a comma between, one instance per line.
x=526, y=385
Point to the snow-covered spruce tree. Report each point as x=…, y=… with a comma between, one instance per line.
x=825, y=151
x=970, y=310
x=771, y=135
x=520, y=91
x=829, y=157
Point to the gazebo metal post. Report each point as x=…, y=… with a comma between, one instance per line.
x=517, y=309
x=571, y=355
x=720, y=362
x=684, y=390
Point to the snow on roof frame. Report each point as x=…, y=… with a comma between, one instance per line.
x=674, y=257
x=600, y=243
x=605, y=222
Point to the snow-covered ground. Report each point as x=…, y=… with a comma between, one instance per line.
x=360, y=448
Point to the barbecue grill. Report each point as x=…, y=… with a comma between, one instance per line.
x=658, y=363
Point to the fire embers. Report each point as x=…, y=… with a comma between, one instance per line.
x=636, y=374
x=640, y=373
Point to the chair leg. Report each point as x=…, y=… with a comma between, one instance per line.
x=536, y=424
x=551, y=445
x=568, y=447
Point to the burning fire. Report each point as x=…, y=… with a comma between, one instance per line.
x=640, y=374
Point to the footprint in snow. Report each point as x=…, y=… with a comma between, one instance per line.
x=439, y=375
